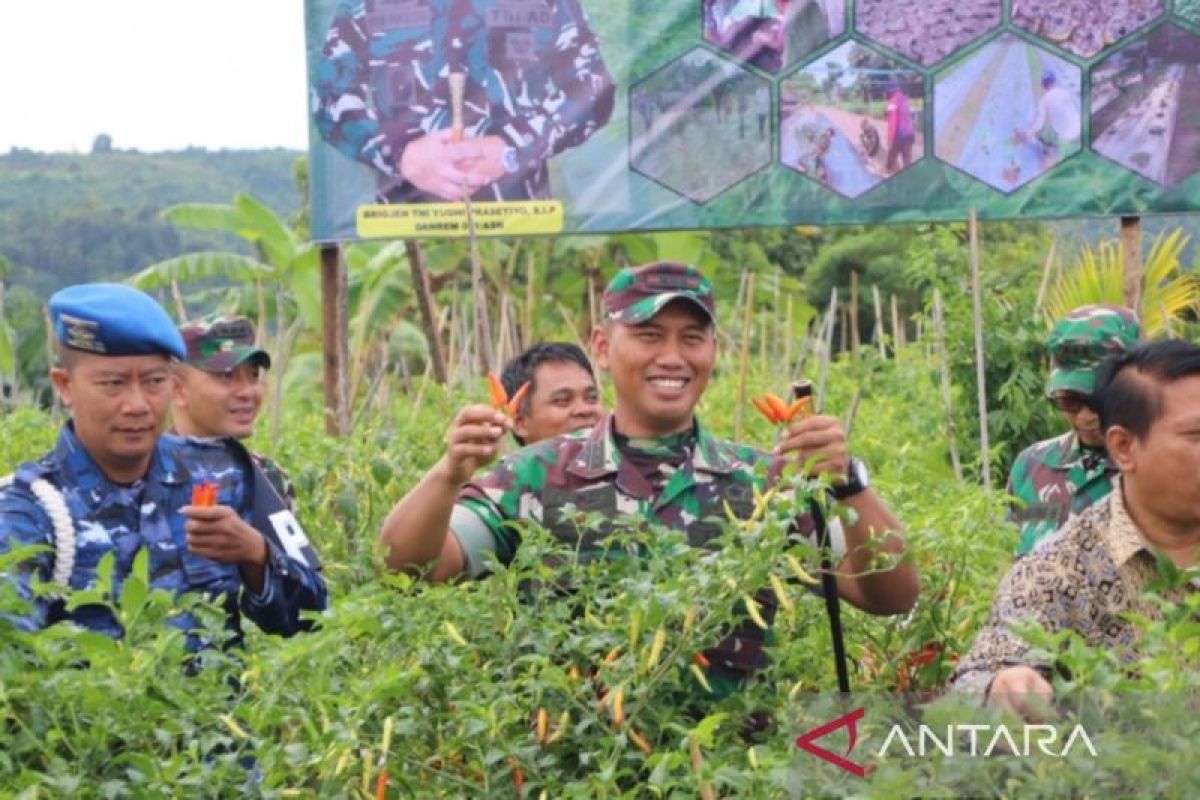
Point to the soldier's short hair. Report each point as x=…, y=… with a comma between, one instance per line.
x=1129, y=385
x=522, y=368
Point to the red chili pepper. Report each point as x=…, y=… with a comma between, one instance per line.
x=701, y=660
x=381, y=785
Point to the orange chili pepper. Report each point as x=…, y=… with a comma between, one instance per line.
x=777, y=411
x=496, y=391
x=381, y=785
x=701, y=660
x=543, y=723
x=777, y=405
x=500, y=399
x=764, y=409
x=612, y=655
x=204, y=494
x=799, y=407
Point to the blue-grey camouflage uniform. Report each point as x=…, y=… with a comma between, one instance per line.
x=535, y=78
x=122, y=520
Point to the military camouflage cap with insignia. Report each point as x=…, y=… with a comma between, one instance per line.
x=1084, y=338
x=218, y=344
x=110, y=319
x=638, y=293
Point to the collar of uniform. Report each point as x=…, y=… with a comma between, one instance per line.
x=599, y=455
x=1122, y=537
x=1066, y=451
x=710, y=456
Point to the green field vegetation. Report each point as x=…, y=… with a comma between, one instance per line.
x=442, y=684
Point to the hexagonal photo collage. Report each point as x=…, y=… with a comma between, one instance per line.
x=1145, y=112
x=1008, y=113
x=849, y=114
x=851, y=119
x=772, y=34
x=699, y=125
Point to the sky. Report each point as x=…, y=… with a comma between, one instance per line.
x=152, y=74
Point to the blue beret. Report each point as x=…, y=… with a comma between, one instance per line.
x=113, y=320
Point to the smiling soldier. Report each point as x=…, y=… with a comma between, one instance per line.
x=217, y=391
x=650, y=458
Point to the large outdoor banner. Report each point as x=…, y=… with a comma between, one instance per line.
x=607, y=115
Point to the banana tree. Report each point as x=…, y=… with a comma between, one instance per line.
x=1169, y=293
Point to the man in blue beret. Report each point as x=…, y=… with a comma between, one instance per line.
x=113, y=486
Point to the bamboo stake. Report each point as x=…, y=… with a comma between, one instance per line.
x=530, y=278
x=278, y=372
x=854, y=339
x=572, y=324
x=814, y=332
x=852, y=412
x=878, y=331
x=939, y=335
x=844, y=333
x=180, y=308
x=333, y=333
x=590, y=321
x=420, y=280
x=739, y=408
x=777, y=310
x=452, y=354
x=787, y=336
x=764, y=334
x=826, y=354
x=502, y=344
x=56, y=406
x=1047, y=268
x=977, y=311
x=483, y=328
x=1131, y=259
x=260, y=334
x=897, y=329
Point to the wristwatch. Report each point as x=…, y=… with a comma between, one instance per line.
x=856, y=481
x=509, y=158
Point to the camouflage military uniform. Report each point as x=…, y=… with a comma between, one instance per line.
x=595, y=472
x=1055, y=478
x=122, y=520
x=534, y=77
x=279, y=479
x=1052, y=480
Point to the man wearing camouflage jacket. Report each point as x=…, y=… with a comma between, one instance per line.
x=650, y=458
x=535, y=86
x=1056, y=478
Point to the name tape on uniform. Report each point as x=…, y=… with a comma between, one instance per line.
x=449, y=220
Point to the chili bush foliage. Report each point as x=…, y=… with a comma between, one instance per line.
x=508, y=686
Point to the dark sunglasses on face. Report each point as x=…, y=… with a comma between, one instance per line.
x=1072, y=402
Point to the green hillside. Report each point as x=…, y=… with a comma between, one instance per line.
x=71, y=217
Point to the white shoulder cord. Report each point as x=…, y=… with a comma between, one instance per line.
x=55, y=506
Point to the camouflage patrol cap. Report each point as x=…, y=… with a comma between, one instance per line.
x=1082, y=339
x=638, y=293
x=218, y=344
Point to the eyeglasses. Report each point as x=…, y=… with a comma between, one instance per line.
x=1071, y=402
